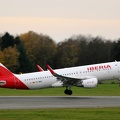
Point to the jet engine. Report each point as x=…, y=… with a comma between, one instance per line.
x=89, y=83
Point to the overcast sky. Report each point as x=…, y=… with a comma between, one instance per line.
x=61, y=19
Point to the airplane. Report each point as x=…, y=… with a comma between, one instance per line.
x=82, y=76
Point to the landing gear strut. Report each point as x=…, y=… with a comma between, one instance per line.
x=68, y=91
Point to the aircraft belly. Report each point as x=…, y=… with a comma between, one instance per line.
x=40, y=85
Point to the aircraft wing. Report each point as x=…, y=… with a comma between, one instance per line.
x=67, y=80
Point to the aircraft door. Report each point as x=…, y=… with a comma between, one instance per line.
x=118, y=69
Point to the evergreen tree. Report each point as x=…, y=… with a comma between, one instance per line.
x=24, y=63
x=7, y=41
x=115, y=51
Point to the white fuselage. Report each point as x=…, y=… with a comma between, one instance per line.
x=44, y=79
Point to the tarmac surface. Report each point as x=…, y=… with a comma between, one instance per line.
x=28, y=102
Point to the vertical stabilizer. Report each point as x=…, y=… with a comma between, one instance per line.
x=4, y=72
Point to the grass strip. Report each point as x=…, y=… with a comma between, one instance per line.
x=62, y=114
x=101, y=90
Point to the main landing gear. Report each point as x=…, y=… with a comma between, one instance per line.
x=68, y=91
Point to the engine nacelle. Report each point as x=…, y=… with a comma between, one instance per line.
x=90, y=83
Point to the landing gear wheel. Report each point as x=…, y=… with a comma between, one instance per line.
x=68, y=92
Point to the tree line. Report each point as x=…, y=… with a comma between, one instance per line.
x=21, y=53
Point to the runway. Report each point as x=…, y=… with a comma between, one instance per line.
x=28, y=102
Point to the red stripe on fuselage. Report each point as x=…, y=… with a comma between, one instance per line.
x=11, y=81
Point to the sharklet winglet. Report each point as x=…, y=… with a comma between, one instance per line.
x=50, y=69
x=39, y=68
